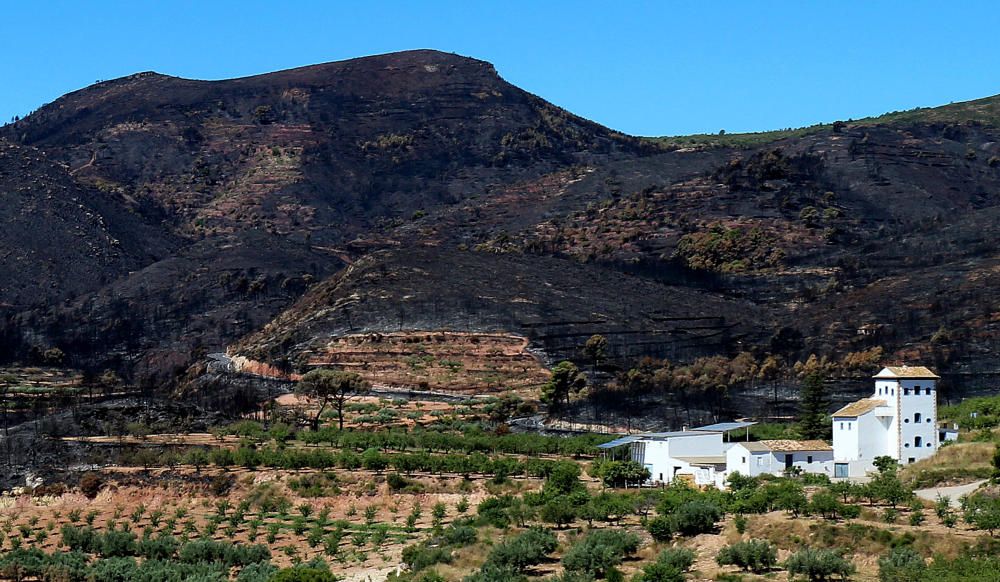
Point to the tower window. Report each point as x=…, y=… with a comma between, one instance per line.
x=918, y=441
x=927, y=391
x=916, y=417
x=906, y=391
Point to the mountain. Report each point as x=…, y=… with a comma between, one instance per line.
x=392, y=211
x=256, y=188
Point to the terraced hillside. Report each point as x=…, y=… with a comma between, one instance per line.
x=275, y=216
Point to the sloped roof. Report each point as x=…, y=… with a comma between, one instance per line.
x=907, y=372
x=755, y=447
x=650, y=436
x=788, y=446
x=618, y=442
x=785, y=446
x=863, y=406
x=724, y=426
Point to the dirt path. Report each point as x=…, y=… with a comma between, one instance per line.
x=952, y=493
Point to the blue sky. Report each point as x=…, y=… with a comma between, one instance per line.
x=646, y=68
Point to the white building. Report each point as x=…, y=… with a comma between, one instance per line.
x=695, y=456
x=702, y=457
x=775, y=457
x=899, y=421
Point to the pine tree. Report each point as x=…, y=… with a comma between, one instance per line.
x=814, y=406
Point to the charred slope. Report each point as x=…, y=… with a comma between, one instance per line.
x=257, y=184
x=60, y=238
x=326, y=150
x=556, y=303
x=464, y=203
x=886, y=224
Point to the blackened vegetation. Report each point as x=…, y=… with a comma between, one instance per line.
x=156, y=220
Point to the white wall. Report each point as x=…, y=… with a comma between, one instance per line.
x=738, y=459
x=660, y=456
x=753, y=464
x=845, y=437
x=910, y=405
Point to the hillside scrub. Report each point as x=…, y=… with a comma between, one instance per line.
x=755, y=556
x=819, y=565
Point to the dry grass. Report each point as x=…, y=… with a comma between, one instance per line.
x=954, y=464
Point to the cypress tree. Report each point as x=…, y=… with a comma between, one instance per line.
x=814, y=404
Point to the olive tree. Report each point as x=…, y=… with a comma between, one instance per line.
x=330, y=387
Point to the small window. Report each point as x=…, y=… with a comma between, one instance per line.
x=930, y=444
x=906, y=420
x=927, y=391
x=928, y=420
x=892, y=392
x=907, y=445
x=911, y=460
x=906, y=391
x=918, y=441
x=916, y=417
x=841, y=426
x=848, y=426
x=809, y=459
x=744, y=461
x=760, y=461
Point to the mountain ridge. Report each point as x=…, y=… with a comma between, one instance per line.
x=425, y=168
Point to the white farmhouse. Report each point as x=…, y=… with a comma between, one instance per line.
x=694, y=456
x=899, y=421
x=774, y=457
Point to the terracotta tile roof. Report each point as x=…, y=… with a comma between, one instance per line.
x=863, y=406
x=906, y=372
x=785, y=446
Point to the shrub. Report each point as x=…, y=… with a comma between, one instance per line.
x=818, y=565
x=669, y=566
x=740, y=522
x=696, y=517
x=755, y=556
x=81, y=539
x=559, y=511
x=600, y=551
x=160, y=548
x=300, y=574
x=523, y=550
x=492, y=510
x=460, y=535
x=564, y=478
x=260, y=572
x=116, y=544
x=420, y=556
x=493, y=573
x=901, y=565
x=91, y=484
x=661, y=528
x=266, y=497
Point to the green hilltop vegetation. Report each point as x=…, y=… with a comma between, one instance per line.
x=985, y=110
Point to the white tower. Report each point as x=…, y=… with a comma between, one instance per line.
x=898, y=420
x=911, y=391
